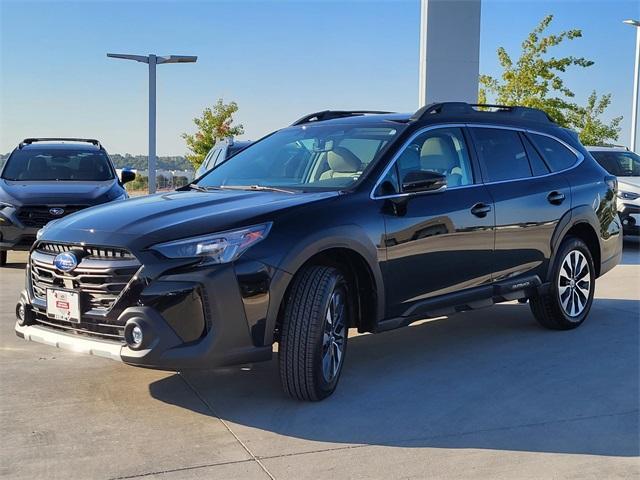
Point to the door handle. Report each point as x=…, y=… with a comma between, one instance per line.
x=556, y=198
x=480, y=209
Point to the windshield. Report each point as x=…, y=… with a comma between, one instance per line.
x=620, y=164
x=57, y=164
x=307, y=157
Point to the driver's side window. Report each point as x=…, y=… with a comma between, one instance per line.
x=442, y=151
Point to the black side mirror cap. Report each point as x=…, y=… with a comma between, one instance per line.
x=417, y=181
x=127, y=176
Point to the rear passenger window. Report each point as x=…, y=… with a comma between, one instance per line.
x=557, y=156
x=501, y=153
x=537, y=163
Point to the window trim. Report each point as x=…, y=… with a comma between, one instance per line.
x=419, y=132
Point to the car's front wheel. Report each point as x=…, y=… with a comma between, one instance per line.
x=567, y=302
x=314, y=333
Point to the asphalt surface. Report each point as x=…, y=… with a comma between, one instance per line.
x=483, y=394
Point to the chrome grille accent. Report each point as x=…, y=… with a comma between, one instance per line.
x=90, y=251
x=100, y=280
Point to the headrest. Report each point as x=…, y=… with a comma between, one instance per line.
x=441, y=151
x=343, y=161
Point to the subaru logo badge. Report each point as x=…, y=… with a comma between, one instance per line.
x=56, y=211
x=65, y=262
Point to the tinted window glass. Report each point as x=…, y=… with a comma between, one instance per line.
x=621, y=164
x=557, y=156
x=537, y=163
x=306, y=157
x=502, y=154
x=442, y=151
x=58, y=164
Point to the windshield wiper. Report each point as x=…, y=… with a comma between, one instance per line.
x=195, y=186
x=257, y=188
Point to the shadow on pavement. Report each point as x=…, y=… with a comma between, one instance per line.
x=488, y=379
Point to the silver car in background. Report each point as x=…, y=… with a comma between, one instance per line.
x=219, y=153
x=625, y=165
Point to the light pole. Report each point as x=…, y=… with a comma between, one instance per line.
x=153, y=60
x=636, y=85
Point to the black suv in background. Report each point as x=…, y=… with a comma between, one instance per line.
x=45, y=179
x=345, y=219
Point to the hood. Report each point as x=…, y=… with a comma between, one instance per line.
x=629, y=184
x=57, y=193
x=141, y=221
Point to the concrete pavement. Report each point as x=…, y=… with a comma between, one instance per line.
x=483, y=394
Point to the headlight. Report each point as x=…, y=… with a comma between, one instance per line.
x=223, y=247
x=627, y=195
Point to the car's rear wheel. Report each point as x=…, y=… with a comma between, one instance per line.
x=314, y=332
x=567, y=302
x=3, y=258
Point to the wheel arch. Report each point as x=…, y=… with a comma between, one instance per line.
x=347, y=248
x=581, y=222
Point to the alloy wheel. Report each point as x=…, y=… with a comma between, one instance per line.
x=334, y=338
x=574, y=283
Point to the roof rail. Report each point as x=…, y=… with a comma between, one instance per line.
x=330, y=114
x=29, y=141
x=467, y=108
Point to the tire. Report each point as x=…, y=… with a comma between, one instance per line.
x=3, y=258
x=567, y=302
x=314, y=334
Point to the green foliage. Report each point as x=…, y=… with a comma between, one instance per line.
x=593, y=131
x=138, y=183
x=534, y=80
x=214, y=125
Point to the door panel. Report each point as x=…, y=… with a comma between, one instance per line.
x=527, y=207
x=437, y=242
x=525, y=222
x=435, y=245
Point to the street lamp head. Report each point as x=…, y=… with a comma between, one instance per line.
x=177, y=59
x=634, y=23
x=125, y=56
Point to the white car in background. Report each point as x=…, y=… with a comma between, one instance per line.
x=625, y=165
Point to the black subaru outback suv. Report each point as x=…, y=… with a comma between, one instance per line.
x=345, y=219
x=45, y=179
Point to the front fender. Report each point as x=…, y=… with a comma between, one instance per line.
x=351, y=237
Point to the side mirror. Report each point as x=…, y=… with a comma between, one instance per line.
x=421, y=181
x=127, y=176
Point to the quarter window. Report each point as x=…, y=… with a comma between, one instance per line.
x=502, y=154
x=537, y=163
x=557, y=156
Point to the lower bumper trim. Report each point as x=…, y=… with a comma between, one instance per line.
x=73, y=343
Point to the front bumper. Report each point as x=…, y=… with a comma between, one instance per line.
x=190, y=317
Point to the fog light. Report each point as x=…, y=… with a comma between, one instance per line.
x=24, y=314
x=136, y=335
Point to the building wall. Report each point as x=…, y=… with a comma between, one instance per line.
x=449, y=51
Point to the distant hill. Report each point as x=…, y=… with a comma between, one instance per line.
x=138, y=162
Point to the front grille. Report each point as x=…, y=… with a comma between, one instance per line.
x=100, y=280
x=38, y=216
x=89, y=251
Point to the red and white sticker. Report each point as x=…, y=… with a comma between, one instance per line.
x=63, y=305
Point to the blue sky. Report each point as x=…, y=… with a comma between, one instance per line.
x=277, y=59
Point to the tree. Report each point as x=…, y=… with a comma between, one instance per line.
x=534, y=80
x=214, y=125
x=593, y=131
